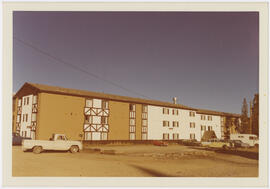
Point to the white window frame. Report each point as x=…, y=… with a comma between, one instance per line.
x=192, y=136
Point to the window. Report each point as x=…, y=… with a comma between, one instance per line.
x=132, y=136
x=132, y=129
x=175, y=136
x=144, y=129
x=132, y=114
x=192, y=124
x=174, y=111
x=104, y=120
x=144, y=136
x=132, y=107
x=26, y=117
x=104, y=136
x=144, y=122
x=87, y=136
x=202, y=117
x=175, y=124
x=203, y=127
x=166, y=111
x=132, y=122
x=105, y=104
x=165, y=136
x=144, y=108
x=89, y=103
x=192, y=136
x=209, y=118
x=144, y=115
x=166, y=123
x=210, y=128
x=27, y=100
x=23, y=133
x=61, y=138
x=18, y=118
x=192, y=114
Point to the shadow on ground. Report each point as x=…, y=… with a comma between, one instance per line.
x=151, y=172
x=246, y=154
x=48, y=151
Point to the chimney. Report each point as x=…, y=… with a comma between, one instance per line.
x=175, y=100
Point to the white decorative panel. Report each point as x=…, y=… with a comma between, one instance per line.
x=96, y=103
x=34, y=117
x=87, y=111
x=86, y=127
x=89, y=103
x=95, y=135
x=96, y=119
x=34, y=99
x=87, y=136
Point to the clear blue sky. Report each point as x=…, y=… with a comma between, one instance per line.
x=207, y=60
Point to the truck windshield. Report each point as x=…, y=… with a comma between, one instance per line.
x=61, y=138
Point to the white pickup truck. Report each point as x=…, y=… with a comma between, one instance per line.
x=57, y=142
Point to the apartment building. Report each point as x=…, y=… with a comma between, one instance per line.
x=40, y=110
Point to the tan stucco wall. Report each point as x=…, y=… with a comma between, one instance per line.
x=59, y=114
x=118, y=121
x=138, y=121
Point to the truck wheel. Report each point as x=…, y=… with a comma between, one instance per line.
x=74, y=149
x=37, y=149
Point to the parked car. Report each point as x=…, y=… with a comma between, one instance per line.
x=17, y=139
x=240, y=144
x=215, y=143
x=56, y=142
x=190, y=142
x=160, y=143
x=206, y=143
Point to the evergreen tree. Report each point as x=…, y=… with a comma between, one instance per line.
x=244, y=118
x=255, y=115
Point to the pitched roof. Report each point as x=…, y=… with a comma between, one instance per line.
x=91, y=94
x=212, y=112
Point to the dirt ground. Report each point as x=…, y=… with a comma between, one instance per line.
x=133, y=161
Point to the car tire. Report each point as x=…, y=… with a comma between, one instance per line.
x=225, y=147
x=74, y=149
x=37, y=149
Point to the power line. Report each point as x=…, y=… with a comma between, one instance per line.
x=76, y=67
